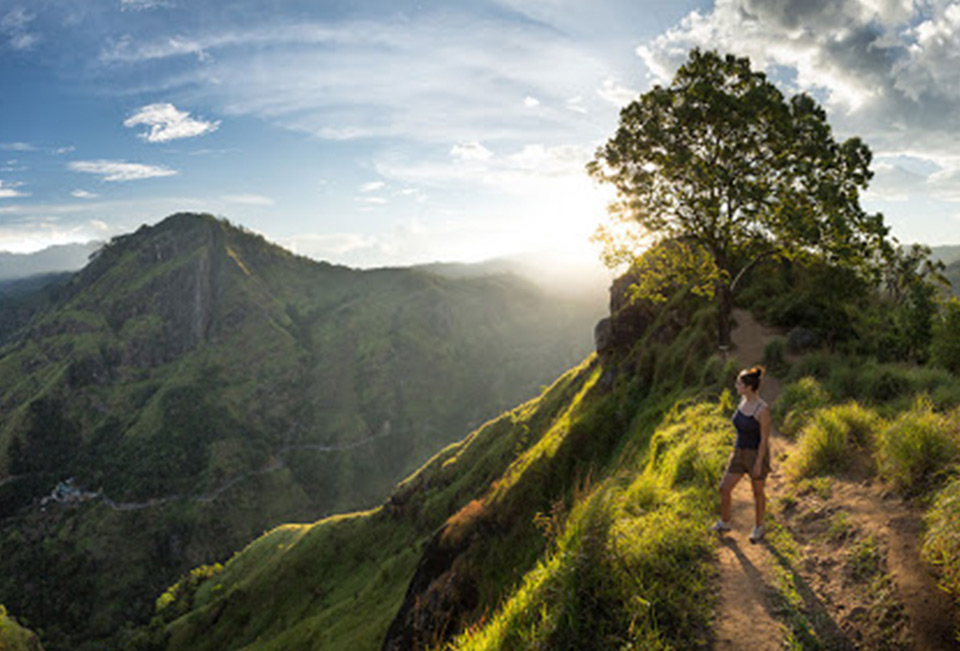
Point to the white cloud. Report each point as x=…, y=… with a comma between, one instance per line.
x=327, y=245
x=372, y=186
x=531, y=102
x=83, y=194
x=616, y=94
x=9, y=190
x=18, y=146
x=14, y=25
x=120, y=170
x=364, y=79
x=37, y=233
x=471, y=151
x=141, y=5
x=887, y=70
x=59, y=151
x=167, y=123
x=13, y=165
x=249, y=199
x=576, y=104
x=376, y=201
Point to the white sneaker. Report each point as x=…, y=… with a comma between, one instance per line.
x=720, y=526
x=757, y=534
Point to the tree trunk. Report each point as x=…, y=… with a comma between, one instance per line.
x=726, y=307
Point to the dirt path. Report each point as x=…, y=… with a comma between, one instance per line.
x=745, y=618
x=910, y=614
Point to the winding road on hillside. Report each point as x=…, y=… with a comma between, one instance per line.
x=275, y=463
x=750, y=615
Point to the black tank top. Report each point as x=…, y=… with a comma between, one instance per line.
x=748, y=429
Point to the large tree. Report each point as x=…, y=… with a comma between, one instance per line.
x=720, y=159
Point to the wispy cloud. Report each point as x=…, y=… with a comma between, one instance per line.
x=531, y=102
x=372, y=186
x=13, y=165
x=120, y=170
x=15, y=28
x=143, y=5
x=83, y=194
x=167, y=123
x=249, y=199
x=365, y=79
x=18, y=146
x=470, y=151
x=9, y=190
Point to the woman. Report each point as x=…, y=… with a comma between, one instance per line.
x=751, y=454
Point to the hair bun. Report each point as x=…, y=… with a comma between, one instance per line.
x=758, y=370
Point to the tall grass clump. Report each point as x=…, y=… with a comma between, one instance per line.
x=917, y=447
x=796, y=404
x=941, y=543
x=830, y=441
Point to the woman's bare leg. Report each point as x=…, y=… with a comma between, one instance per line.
x=726, y=494
x=759, y=500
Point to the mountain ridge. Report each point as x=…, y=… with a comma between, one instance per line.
x=200, y=385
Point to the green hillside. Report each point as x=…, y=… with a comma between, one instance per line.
x=200, y=385
x=579, y=520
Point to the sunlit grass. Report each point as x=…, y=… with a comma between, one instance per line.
x=832, y=439
x=917, y=447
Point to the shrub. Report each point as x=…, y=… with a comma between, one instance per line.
x=945, y=348
x=819, y=365
x=946, y=396
x=774, y=356
x=829, y=443
x=178, y=599
x=796, y=403
x=801, y=340
x=916, y=447
x=941, y=544
x=884, y=382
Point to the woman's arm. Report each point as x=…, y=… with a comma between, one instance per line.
x=766, y=423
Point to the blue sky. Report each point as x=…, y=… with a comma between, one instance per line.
x=383, y=133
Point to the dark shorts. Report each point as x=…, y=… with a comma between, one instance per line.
x=742, y=461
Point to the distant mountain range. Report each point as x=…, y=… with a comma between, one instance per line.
x=195, y=384
x=65, y=257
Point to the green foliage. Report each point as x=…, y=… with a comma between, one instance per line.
x=178, y=599
x=945, y=349
x=917, y=448
x=670, y=267
x=941, y=541
x=889, y=317
x=14, y=637
x=774, y=182
x=831, y=441
x=774, y=356
x=796, y=404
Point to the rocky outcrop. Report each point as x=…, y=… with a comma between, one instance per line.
x=627, y=323
x=436, y=598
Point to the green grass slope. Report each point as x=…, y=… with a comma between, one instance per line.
x=574, y=521
x=201, y=385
